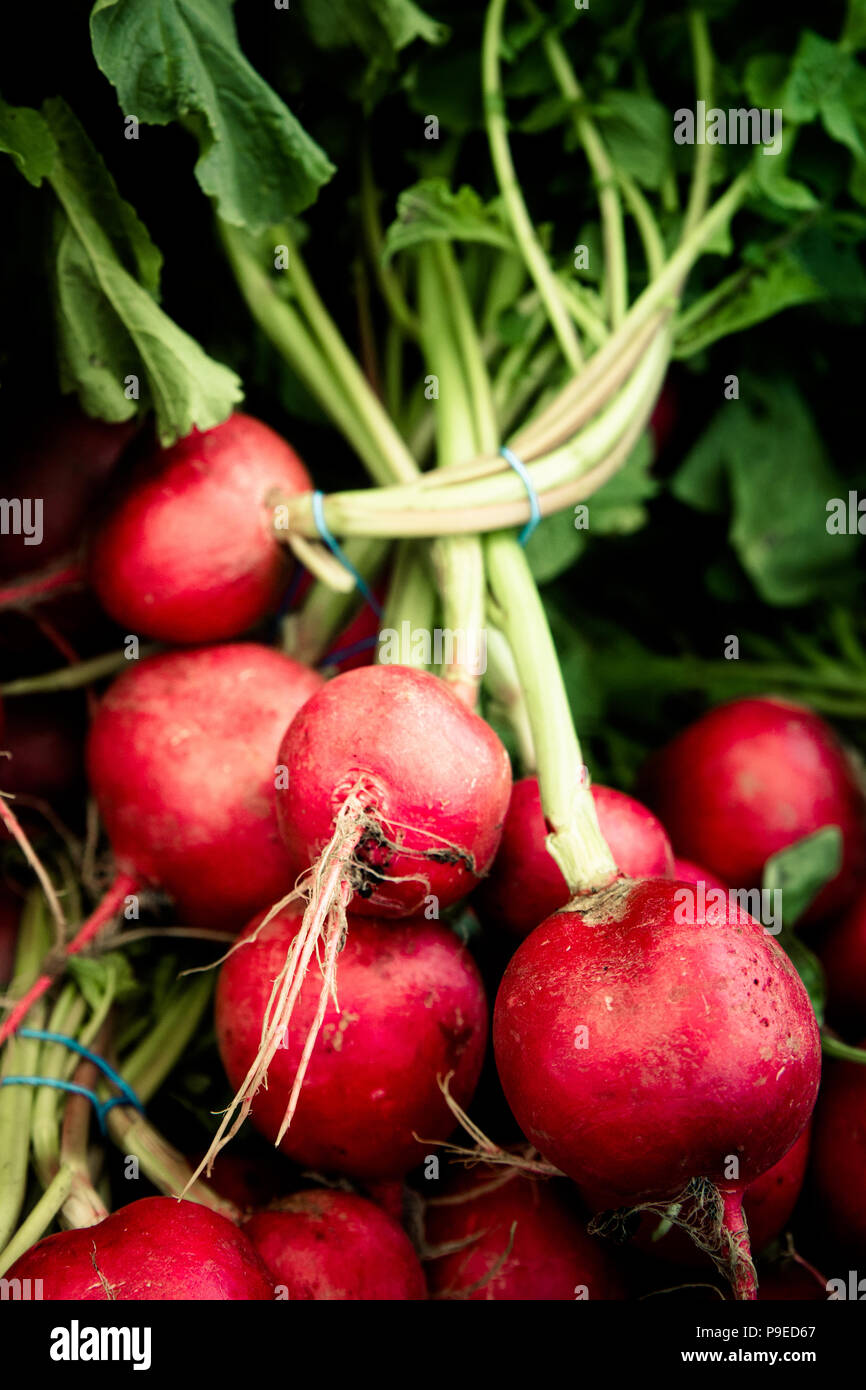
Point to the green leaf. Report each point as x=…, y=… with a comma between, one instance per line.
x=818, y=69
x=94, y=975
x=25, y=136
x=801, y=870
x=763, y=457
x=179, y=60
x=637, y=130
x=750, y=295
x=110, y=326
x=616, y=509
x=380, y=27
x=430, y=211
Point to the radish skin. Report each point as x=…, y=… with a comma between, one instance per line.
x=189, y=553
x=526, y=885
x=412, y=1009
x=330, y=1246
x=639, y=1051
x=153, y=1249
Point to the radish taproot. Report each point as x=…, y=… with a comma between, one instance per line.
x=181, y=760
x=526, y=884
x=750, y=778
x=391, y=798
x=640, y=1051
x=497, y=1234
x=155, y=1248
x=189, y=553
x=412, y=1009
x=322, y=1245
x=767, y=1204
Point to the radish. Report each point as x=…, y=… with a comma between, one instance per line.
x=498, y=1235
x=750, y=778
x=639, y=1052
x=767, y=1204
x=333, y=1246
x=843, y=955
x=154, y=1249
x=419, y=783
x=392, y=799
x=412, y=1009
x=44, y=739
x=65, y=464
x=188, y=554
x=526, y=884
x=181, y=757
x=839, y=1153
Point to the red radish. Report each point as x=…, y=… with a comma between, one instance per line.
x=412, y=1008
x=687, y=871
x=750, y=778
x=392, y=799
x=181, y=758
x=839, y=1153
x=189, y=554
x=767, y=1204
x=526, y=884
x=518, y=1240
x=333, y=1246
x=154, y=1249
x=843, y=955
x=639, y=1051
x=429, y=781
x=249, y=1183
x=66, y=465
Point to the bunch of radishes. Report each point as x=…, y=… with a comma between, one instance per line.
x=657, y=1063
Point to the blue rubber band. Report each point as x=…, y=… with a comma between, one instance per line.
x=100, y=1106
x=333, y=546
x=127, y=1096
x=523, y=474
x=354, y=649
x=41, y=1035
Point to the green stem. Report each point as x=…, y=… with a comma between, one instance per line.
x=39, y=1218
x=54, y=1062
x=410, y=608
x=703, y=60
x=308, y=634
x=388, y=280
x=574, y=839
x=150, y=1063
x=497, y=134
x=19, y=1058
x=610, y=207
x=286, y=329
x=72, y=677
x=369, y=409
x=502, y=685
x=832, y=1047
x=458, y=561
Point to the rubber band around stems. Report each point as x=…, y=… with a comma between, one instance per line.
x=534, y=506
x=334, y=547
x=127, y=1096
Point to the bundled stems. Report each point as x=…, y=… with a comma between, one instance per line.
x=574, y=838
